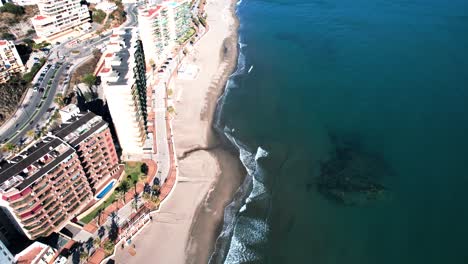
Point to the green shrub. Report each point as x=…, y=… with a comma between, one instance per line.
x=8, y=36
x=98, y=16
x=12, y=9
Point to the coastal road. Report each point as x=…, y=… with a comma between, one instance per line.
x=34, y=106
x=32, y=110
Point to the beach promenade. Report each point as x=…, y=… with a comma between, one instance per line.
x=169, y=238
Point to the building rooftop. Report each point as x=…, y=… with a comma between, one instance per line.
x=78, y=128
x=32, y=163
x=124, y=54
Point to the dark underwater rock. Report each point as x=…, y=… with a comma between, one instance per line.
x=351, y=176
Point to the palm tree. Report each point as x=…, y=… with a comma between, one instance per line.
x=136, y=200
x=119, y=196
x=83, y=256
x=9, y=147
x=99, y=214
x=96, y=242
x=30, y=133
x=147, y=188
x=135, y=186
x=124, y=188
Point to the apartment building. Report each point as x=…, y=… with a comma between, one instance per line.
x=162, y=27
x=10, y=60
x=43, y=187
x=59, y=17
x=90, y=136
x=123, y=76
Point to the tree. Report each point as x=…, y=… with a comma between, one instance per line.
x=156, y=190
x=9, y=147
x=89, y=244
x=124, y=188
x=99, y=214
x=170, y=109
x=119, y=196
x=96, y=242
x=101, y=231
x=12, y=9
x=109, y=247
x=8, y=36
x=147, y=188
x=89, y=79
x=136, y=201
x=135, y=185
x=83, y=256
x=98, y=16
x=28, y=42
x=30, y=133
x=59, y=100
x=113, y=231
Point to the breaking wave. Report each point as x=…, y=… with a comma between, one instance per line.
x=241, y=229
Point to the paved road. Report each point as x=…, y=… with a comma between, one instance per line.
x=34, y=106
x=32, y=110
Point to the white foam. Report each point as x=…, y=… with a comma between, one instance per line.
x=249, y=231
x=239, y=2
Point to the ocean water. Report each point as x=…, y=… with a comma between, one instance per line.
x=383, y=81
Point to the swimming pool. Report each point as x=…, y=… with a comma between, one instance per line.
x=105, y=190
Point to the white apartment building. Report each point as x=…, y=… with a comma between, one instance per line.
x=162, y=27
x=10, y=61
x=59, y=17
x=124, y=84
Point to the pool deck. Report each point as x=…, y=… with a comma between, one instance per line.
x=93, y=225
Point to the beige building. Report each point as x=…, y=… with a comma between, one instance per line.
x=58, y=18
x=162, y=27
x=123, y=76
x=10, y=60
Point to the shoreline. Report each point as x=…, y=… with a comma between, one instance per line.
x=186, y=226
x=207, y=225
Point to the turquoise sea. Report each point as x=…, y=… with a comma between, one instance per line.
x=385, y=81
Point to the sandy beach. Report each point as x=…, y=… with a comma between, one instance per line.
x=185, y=228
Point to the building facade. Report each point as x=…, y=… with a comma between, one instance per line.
x=43, y=187
x=90, y=136
x=10, y=60
x=49, y=183
x=162, y=27
x=123, y=76
x=59, y=17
